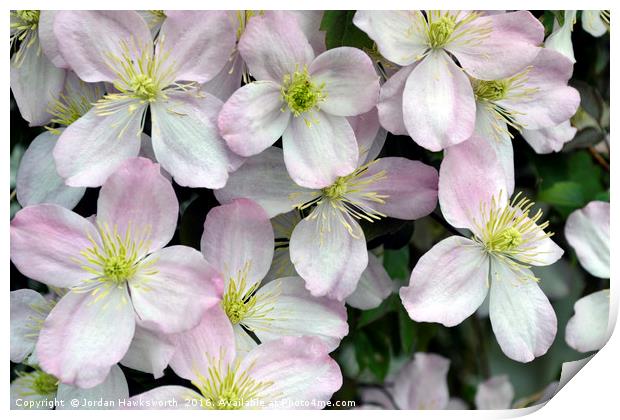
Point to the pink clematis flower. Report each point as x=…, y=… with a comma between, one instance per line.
x=287, y=373
x=328, y=247
x=453, y=279
x=117, y=47
x=302, y=98
x=117, y=271
x=431, y=97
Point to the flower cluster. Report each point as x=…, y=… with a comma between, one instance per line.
x=213, y=193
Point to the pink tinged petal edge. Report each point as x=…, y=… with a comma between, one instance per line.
x=227, y=81
x=448, y=283
x=350, y=81
x=87, y=38
x=309, y=22
x=550, y=139
x=410, y=187
x=82, y=338
x=295, y=312
x=274, y=45
x=47, y=38
x=137, y=198
x=316, y=155
x=369, y=134
x=25, y=304
x=253, y=118
x=332, y=261
x=374, y=287
x=199, y=43
x=513, y=44
x=300, y=369
x=175, y=297
x=113, y=389
x=438, y=103
x=37, y=180
x=212, y=339
x=46, y=239
x=238, y=237
x=169, y=397
x=391, y=30
x=390, y=104
x=422, y=384
x=587, y=329
x=495, y=393
x=187, y=142
x=93, y=147
x=587, y=231
x=149, y=352
x=522, y=318
x=264, y=179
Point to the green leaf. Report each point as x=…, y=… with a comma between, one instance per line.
x=583, y=170
x=340, y=31
x=406, y=329
x=372, y=351
x=396, y=262
x=388, y=305
x=564, y=194
x=602, y=196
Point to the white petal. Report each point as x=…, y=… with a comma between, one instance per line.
x=587, y=231
x=495, y=393
x=374, y=286
x=113, y=390
x=587, y=329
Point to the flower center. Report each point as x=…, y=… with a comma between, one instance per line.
x=144, y=87
x=440, y=30
x=300, y=93
x=506, y=240
x=28, y=18
x=337, y=190
x=24, y=28
x=37, y=382
x=71, y=106
x=493, y=90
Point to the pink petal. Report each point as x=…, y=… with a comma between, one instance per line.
x=228, y=80
x=48, y=40
x=350, y=80
x=587, y=329
x=448, y=283
x=369, y=134
x=46, y=240
x=253, y=118
x=274, y=45
x=438, y=103
x=85, y=335
x=149, y=352
x=550, y=139
x=138, y=199
x=422, y=384
x=27, y=307
x=114, y=388
x=587, y=231
x=198, y=42
x=495, y=393
x=374, y=286
x=390, y=104
x=309, y=22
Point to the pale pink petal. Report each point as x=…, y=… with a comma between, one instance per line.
x=139, y=200
x=390, y=104
x=46, y=240
x=295, y=312
x=197, y=42
x=37, y=180
x=299, y=369
x=438, y=103
x=398, y=33
x=227, y=81
x=326, y=255
x=87, y=39
x=238, y=238
x=149, y=352
x=212, y=340
x=187, y=142
x=587, y=231
x=169, y=397
x=264, y=179
x=511, y=45
x=93, y=147
x=49, y=42
x=309, y=22
x=375, y=399
x=374, y=286
x=253, y=118
x=85, y=335
x=317, y=153
x=422, y=384
x=174, y=289
x=448, y=283
x=522, y=318
x=369, y=134
x=113, y=389
x=587, y=329
x=537, y=249
x=349, y=78
x=550, y=139
x=495, y=393
x=274, y=45
x=27, y=308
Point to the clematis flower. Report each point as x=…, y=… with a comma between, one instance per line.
x=302, y=98
x=452, y=280
x=495, y=393
x=328, y=247
x=430, y=97
x=587, y=231
x=595, y=22
x=550, y=139
x=35, y=81
x=117, y=271
x=587, y=329
x=290, y=372
x=163, y=77
x=238, y=242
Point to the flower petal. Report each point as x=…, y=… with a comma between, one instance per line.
x=369, y=134
x=495, y=393
x=448, y=283
x=227, y=81
x=422, y=384
x=149, y=352
x=37, y=180
x=114, y=389
x=198, y=42
x=174, y=289
x=252, y=119
x=390, y=104
x=587, y=329
x=550, y=139
x=374, y=286
x=48, y=40
x=350, y=81
x=560, y=39
x=592, y=22
x=318, y=152
x=85, y=335
x=522, y=318
x=45, y=241
x=438, y=103
x=587, y=231
x=27, y=308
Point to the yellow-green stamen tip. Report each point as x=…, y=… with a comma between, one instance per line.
x=337, y=189
x=144, y=87
x=506, y=240
x=493, y=90
x=28, y=17
x=44, y=383
x=300, y=93
x=440, y=31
